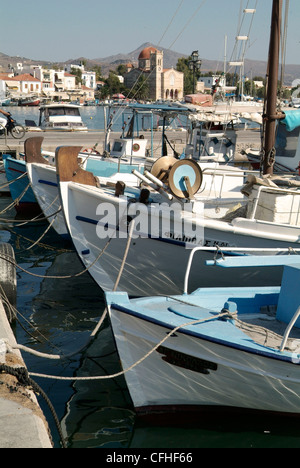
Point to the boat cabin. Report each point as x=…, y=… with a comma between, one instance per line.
x=121, y=147
x=65, y=117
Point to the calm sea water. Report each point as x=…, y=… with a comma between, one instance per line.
x=93, y=117
x=57, y=317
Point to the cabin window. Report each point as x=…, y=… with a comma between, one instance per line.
x=63, y=111
x=286, y=142
x=117, y=146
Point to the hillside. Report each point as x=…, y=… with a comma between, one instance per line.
x=252, y=67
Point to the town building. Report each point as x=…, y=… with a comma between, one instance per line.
x=48, y=83
x=210, y=81
x=88, y=77
x=163, y=83
x=24, y=84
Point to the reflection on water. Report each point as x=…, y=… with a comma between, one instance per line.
x=60, y=315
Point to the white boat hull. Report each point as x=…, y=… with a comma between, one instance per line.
x=44, y=184
x=156, y=265
x=188, y=372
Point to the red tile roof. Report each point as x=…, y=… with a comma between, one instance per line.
x=24, y=77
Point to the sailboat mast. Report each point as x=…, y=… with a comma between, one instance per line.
x=271, y=114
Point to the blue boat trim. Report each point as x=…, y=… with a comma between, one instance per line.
x=87, y=220
x=145, y=236
x=185, y=331
x=47, y=182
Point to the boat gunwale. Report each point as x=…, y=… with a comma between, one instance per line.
x=269, y=353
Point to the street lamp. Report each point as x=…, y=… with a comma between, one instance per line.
x=195, y=65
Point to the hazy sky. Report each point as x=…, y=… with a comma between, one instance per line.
x=59, y=30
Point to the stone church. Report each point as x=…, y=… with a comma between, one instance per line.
x=163, y=83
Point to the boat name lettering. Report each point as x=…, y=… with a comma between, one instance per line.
x=181, y=238
x=214, y=243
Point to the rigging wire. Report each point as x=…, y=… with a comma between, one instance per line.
x=239, y=54
x=283, y=44
x=171, y=45
x=171, y=21
x=188, y=22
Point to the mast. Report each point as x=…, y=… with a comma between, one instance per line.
x=271, y=114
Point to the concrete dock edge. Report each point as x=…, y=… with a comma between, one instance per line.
x=22, y=422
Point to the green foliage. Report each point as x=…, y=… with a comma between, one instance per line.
x=98, y=71
x=183, y=66
x=121, y=69
x=141, y=89
x=78, y=73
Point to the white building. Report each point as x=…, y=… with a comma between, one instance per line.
x=69, y=81
x=25, y=84
x=210, y=81
x=46, y=76
x=55, y=84
x=88, y=77
x=2, y=90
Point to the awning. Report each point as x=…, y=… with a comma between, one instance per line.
x=291, y=120
x=118, y=96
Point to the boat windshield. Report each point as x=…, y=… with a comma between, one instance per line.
x=55, y=111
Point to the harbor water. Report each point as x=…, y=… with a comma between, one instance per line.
x=93, y=117
x=57, y=311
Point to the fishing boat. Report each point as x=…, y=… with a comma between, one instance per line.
x=4, y=185
x=5, y=102
x=216, y=348
x=120, y=157
x=61, y=117
x=30, y=101
x=167, y=218
x=19, y=185
x=158, y=253
x=42, y=176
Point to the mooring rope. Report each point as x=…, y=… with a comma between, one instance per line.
x=96, y=329
x=139, y=361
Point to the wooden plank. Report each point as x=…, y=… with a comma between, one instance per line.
x=68, y=169
x=33, y=150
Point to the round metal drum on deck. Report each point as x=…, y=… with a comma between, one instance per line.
x=185, y=178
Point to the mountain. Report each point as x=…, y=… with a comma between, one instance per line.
x=170, y=57
x=252, y=67
x=7, y=61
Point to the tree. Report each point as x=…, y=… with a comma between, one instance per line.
x=121, y=69
x=183, y=66
x=98, y=71
x=141, y=90
x=113, y=83
x=78, y=73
